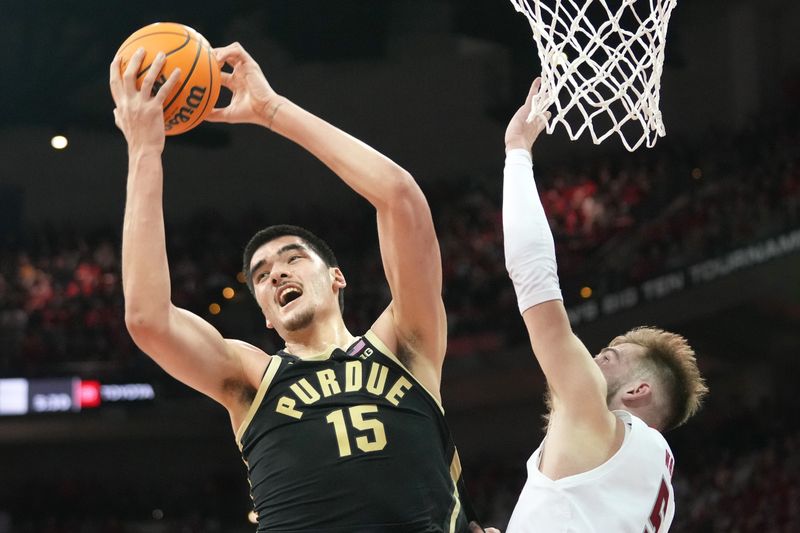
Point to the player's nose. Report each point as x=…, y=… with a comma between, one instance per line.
x=277, y=277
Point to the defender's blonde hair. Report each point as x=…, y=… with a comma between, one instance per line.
x=672, y=362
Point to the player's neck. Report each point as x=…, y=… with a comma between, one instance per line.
x=318, y=338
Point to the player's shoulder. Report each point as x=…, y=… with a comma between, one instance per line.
x=246, y=347
x=384, y=330
x=254, y=360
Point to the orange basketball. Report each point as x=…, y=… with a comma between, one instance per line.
x=195, y=94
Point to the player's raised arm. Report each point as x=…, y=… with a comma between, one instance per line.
x=577, y=385
x=415, y=322
x=186, y=346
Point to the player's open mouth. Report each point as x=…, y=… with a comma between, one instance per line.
x=288, y=294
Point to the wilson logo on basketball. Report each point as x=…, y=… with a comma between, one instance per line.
x=184, y=114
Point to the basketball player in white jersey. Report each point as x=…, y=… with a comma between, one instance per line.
x=603, y=465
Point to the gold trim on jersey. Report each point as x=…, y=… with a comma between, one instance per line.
x=456, y=510
x=323, y=356
x=455, y=467
x=455, y=464
x=455, y=474
x=269, y=375
x=375, y=341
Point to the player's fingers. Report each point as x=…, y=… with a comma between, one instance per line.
x=233, y=54
x=536, y=117
x=135, y=63
x=543, y=119
x=114, y=77
x=534, y=90
x=535, y=85
x=539, y=120
x=152, y=72
x=219, y=114
x=165, y=89
x=225, y=79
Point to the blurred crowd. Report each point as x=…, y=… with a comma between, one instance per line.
x=61, y=305
x=616, y=223
x=67, y=504
x=737, y=471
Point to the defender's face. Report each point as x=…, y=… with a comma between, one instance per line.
x=618, y=364
x=292, y=284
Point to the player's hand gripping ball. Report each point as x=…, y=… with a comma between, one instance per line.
x=197, y=90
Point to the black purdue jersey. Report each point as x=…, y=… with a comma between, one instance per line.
x=350, y=442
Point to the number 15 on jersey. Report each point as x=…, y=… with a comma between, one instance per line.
x=370, y=435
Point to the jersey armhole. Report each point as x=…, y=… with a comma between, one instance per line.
x=266, y=381
x=378, y=343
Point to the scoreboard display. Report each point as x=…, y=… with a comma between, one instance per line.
x=21, y=396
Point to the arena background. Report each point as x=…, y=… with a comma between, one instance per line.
x=700, y=235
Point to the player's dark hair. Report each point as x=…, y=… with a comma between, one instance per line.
x=317, y=245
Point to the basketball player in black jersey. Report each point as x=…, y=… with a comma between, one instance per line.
x=340, y=432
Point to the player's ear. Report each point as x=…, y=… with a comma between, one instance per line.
x=637, y=392
x=269, y=325
x=337, y=278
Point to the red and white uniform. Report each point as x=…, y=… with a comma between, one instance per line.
x=629, y=493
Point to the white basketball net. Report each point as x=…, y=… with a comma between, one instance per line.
x=601, y=65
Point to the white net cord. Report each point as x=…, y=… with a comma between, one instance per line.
x=601, y=66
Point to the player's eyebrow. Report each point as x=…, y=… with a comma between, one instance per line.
x=612, y=350
x=283, y=249
x=290, y=247
x=253, y=271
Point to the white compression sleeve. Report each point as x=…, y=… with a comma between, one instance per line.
x=529, y=248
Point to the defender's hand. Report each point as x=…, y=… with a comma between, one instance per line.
x=139, y=113
x=253, y=99
x=520, y=133
x=475, y=528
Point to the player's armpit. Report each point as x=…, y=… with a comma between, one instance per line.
x=426, y=370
